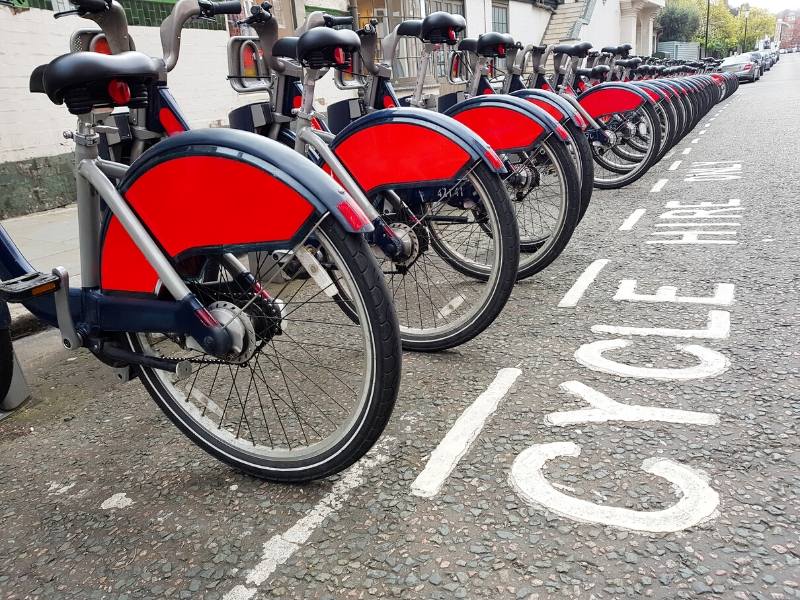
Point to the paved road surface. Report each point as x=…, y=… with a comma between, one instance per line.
x=639, y=440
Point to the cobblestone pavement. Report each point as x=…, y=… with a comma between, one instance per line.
x=638, y=440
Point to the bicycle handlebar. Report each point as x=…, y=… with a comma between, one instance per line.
x=91, y=6
x=182, y=11
x=331, y=21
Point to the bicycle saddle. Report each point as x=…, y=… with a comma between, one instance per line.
x=493, y=44
x=624, y=49
x=285, y=47
x=410, y=28
x=598, y=72
x=85, y=80
x=441, y=28
x=322, y=47
x=468, y=44
x=537, y=49
x=580, y=49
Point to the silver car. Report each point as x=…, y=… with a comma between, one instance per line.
x=744, y=66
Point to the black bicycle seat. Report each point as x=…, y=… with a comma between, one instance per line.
x=83, y=79
x=609, y=49
x=411, y=28
x=537, y=49
x=441, y=28
x=600, y=71
x=575, y=50
x=493, y=44
x=286, y=47
x=322, y=47
x=468, y=44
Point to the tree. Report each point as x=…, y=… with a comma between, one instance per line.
x=760, y=23
x=723, y=30
x=678, y=21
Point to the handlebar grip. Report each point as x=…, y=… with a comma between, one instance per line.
x=92, y=6
x=334, y=21
x=227, y=7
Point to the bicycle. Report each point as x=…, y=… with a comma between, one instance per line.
x=272, y=376
x=541, y=179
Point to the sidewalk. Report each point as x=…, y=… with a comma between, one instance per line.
x=47, y=239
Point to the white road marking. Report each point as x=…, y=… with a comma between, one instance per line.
x=632, y=219
x=707, y=224
x=711, y=363
x=695, y=140
x=688, y=237
x=659, y=185
x=279, y=548
x=686, y=151
x=701, y=132
x=717, y=328
x=707, y=125
x=605, y=409
x=698, y=502
x=462, y=434
x=768, y=240
x=727, y=203
x=723, y=294
x=582, y=283
x=674, y=166
x=118, y=500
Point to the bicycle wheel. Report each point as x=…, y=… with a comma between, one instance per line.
x=310, y=388
x=462, y=262
x=581, y=154
x=544, y=187
x=613, y=170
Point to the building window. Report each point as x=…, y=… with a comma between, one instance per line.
x=455, y=7
x=500, y=17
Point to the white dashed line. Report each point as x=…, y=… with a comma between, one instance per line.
x=582, y=283
x=702, y=131
x=674, y=166
x=658, y=186
x=462, y=434
x=279, y=548
x=632, y=219
x=695, y=140
x=685, y=152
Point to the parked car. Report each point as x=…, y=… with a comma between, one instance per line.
x=745, y=66
x=760, y=60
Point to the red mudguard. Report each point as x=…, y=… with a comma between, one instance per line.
x=506, y=123
x=409, y=147
x=553, y=104
x=612, y=97
x=216, y=191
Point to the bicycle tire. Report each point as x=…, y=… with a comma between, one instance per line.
x=372, y=416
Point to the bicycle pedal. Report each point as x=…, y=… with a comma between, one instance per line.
x=27, y=286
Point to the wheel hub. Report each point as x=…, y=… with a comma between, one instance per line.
x=239, y=326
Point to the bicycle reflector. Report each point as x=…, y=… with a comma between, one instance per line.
x=119, y=91
x=501, y=50
x=493, y=159
x=352, y=213
x=451, y=35
x=339, y=56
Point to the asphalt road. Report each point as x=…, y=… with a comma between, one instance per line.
x=607, y=461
